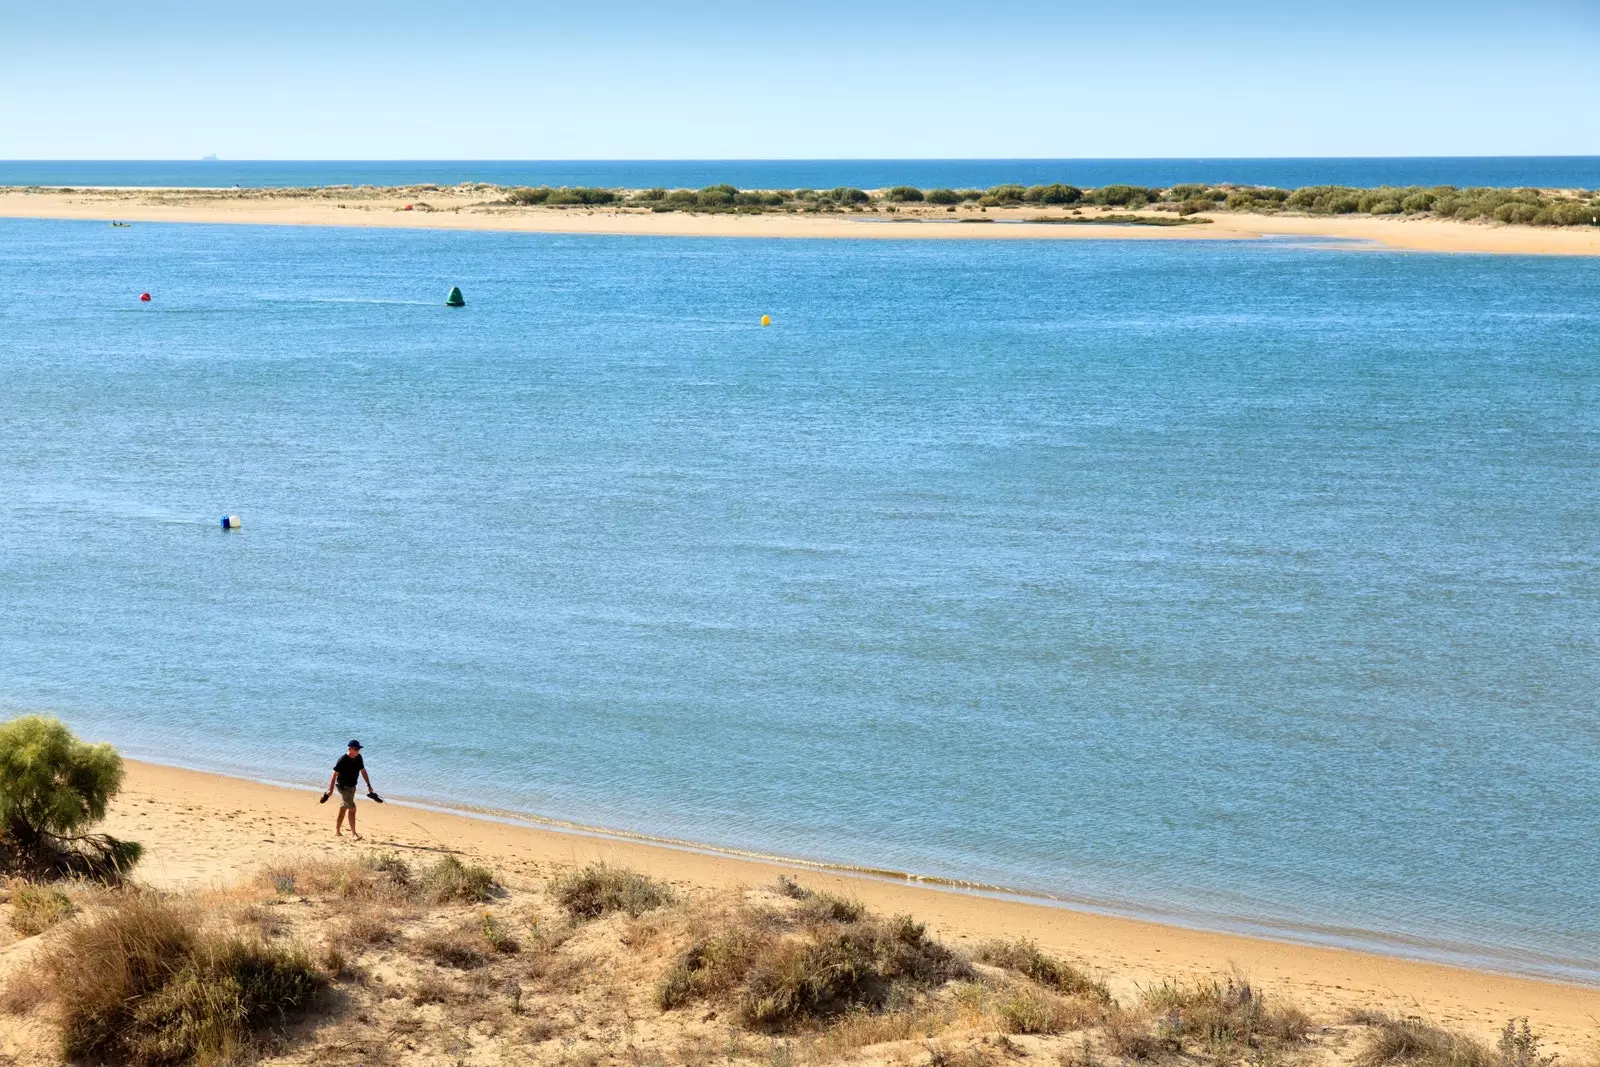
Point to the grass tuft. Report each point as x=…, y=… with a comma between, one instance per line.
x=1408, y=1039
x=36, y=908
x=146, y=983
x=451, y=880
x=600, y=889
x=1023, y=957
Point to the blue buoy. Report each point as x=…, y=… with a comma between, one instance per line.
x=230, y=522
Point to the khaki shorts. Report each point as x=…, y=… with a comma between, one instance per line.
x=347, y=796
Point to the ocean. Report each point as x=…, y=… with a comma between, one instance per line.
x=1560, y=172
x=1250, y=586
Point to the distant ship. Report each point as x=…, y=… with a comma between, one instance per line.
x=208, y=159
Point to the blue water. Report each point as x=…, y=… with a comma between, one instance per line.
x=1251, y=585
x=1562, y=172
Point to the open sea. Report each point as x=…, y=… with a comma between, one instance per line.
x=1252, y=586
x=1557, y=172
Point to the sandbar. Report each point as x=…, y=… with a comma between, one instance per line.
x=467, y=210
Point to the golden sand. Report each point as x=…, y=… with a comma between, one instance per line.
x=201, y=830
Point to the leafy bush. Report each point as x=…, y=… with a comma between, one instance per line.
x=942, y=196
x=1120, y=195
x=53, y=787
x=526, y=196
x=145, y=983
x=1008, y=194
x=846, y=195
x=581, y=195
x=904, y=194
x=599, y=889
x=1053, y=194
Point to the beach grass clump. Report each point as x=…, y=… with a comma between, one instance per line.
x=36, y=908
x=1026, y=1008
x=785, y=974
x=600, y=889
x=145, y=982
x=1224, y=1014
x=1413, y=1041
x=450, y=880
x=817, y=906
x=1024, y=957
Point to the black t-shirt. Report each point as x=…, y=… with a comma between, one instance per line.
x=349, y=769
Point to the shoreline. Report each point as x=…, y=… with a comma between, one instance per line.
x=205, y=830
x=449, y=211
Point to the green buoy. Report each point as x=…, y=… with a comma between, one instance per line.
x=455, y=299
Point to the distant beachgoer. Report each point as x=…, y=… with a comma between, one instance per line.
x=347, y=771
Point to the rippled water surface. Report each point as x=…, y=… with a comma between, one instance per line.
x=1250, y=584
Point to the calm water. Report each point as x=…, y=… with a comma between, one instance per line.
x=1250, y=584
x=1565, y=172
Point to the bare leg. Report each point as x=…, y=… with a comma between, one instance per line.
x=338, y=824
x=353, y=825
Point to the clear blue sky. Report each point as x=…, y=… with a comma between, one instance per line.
x=499, y=79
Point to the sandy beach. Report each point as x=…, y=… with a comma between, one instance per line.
x=460, y=210
x=203, y=831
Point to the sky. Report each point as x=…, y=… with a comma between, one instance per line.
x=771, y=79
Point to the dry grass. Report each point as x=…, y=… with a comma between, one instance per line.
x=783, y=974
x=145, y=982
x=1023, y=957
x=36, y=908
x=1408, y=1039
x=1026, y=1008
x=600, y=889
x=1224, y=1015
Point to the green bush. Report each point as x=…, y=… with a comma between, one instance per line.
x=1121, y=195
x=904, y=194
x=1053, y=194
x=847, y=195
x=581, y=195
x=1008, y=194
x=650, y=196
x=53, y=787
x=450, y=880
x=527, y=196
x=942, y=196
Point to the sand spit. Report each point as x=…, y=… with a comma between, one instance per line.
x=476, y=208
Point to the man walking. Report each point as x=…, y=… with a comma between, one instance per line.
x=349, y=769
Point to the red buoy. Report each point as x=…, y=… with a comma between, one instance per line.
x=145, y=297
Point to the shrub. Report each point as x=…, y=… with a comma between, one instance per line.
x=1053, y=194
x=1119, y=195
x=1008, y=194
x=846, y=195
x=1226, y=1013
x=450, y=880
x=904, y=194
x=525, y=196
x=1195, y=205
x=650, y=196
x=145, y=983
x=454, y=948
x=840, y=969
x=1027, y=1009
x=581, y=195
x=36, y=908
x=599, y=889
x=1410, y=1040
x=717, y=196
x=1023, y=957
x=52, y=788
x=1192, y=192
x=942, y=196
x=968, y=195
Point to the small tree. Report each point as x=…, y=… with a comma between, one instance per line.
x=53, y=787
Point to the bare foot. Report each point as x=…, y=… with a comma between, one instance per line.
x=357, y=836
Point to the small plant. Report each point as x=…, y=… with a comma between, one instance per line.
x=451, y=880
x=1411, y=1040
x=1519, y=1046
x=36, y=908
x=1023, y=957
x=497, y=938
x=599, y=889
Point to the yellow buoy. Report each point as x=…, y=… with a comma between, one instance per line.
x=766, y=320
